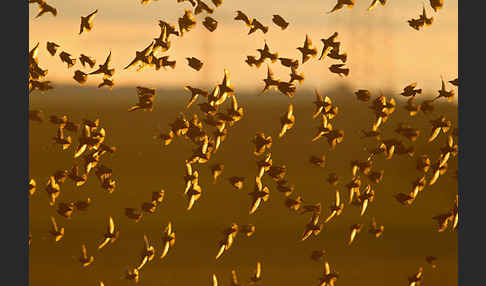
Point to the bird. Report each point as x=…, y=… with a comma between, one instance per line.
x=328, y=278
x=266, y=54
x=109, y=82
x=142, y=57
x=291, y=63
x=146, y=98
x=341, y=3
x=84, y=59
x=416, y=279
x=216, y=171
x=423, y=17
x=323, y=129
x=186, y=22
x=168, y=240
x=259, y=195
x=242, y=16
x=270, y=81
x=431, y=260
x=194, y=194
x=229, y=236
x=436, y=4
x=256, y=25
x=236, y=182
x=355, y=229
x=66, y=58
x=416, y=23
x=84, y=258
x=334, y=54
x=133, y=213
x=247, y=229
x=307, y=50
x=439, y=124
x=336, y=208
x=455, y=81
x=257, y=276
x=376, y=230
x=294, y=76
x=132, y=274
x=104, y=69
x=111, y=235
x=329, y=44
x=52, y=48
x=56, y=232
x=148, y=252
x=195, y=63
x=404, y=199
x=32, y=187
x=45, y=8
x=410, y=90
x=375, y=2
x=252, y=61
x=86, y=22
x=338, y=69
x=313, y=227
x=210, y=23
x=287, y=121
x=261, y=143
x=80, y=77
x=279, y=21
x=201, y=6
x=449, y=95
x=323, y=105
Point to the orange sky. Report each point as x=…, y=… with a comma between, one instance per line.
x=383, y=51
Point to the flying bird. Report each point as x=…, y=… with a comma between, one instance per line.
x=279, y=21
x=52, y=48
x=111, y=235
x=375, y=2
x=341, y=3
x=86, y=22
x=195, y=63
x=84, y=258
x=307, y=50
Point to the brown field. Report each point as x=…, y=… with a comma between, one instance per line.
x=141, y=165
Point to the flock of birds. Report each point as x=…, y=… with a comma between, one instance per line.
x=91, y=144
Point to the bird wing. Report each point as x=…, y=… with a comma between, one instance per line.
x=363, y=207
x=353, y=235
x=221, y=250
x=373, y=4
x=104, y=243
x=111, y=226
x=92, y=15
x=255, y=204
x=54, y=224
x=327, y=269
x=84, y=253
x=307, y=42
x=291, y=111
x=192, y=200
x=258, y=270
x=165, y=250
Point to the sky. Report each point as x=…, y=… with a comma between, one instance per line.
x=383, y=51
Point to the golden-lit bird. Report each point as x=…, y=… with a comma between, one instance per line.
x=142, y=57
x=65, y=209
x=449, y=95
x=313, y=227
x=323, y=129
x=416, y=279
x=329, y=44
x=355, y=229
x=45, y=8
x=375, y=2
x=341, y=3
x=229, y=236
x=256, y=25
x=261, y=143
x=376, y=230
x=436, y=4
x=294, y=76
x=270, y=81
x=307, y=50
x=438, y=125
x=338, y=69
x=186, y=22
x=110, y=235
x=455, y=82
x=323, y=105
x=287, y=121
x=279, y=21
x=134, y=214
x=84, y=59
x=109, y=82
x=247, y=229
x=236, y=182
x=257, y=276
x=259, y=195
x=195, y=63
x=80, y=77
x=216, y=171
x=84, y=258
x=52, y=48
x=168, y=240
x=363, y=95
x=266, y=54
x=145, y=2
x=328, y=278
x=336, y=208
x=64, y=141
x=56, y=232
x=32, y=187
x=195, y=93
x=214, y=279
x=412, y=107
x=53, y=190
x=147, y=254
x=210, y=24
x=193, y=194
x=146, y=97
x=66, y=58
x=242, y=16
x=104, y=69
x=86, y=22
x=201, y=6
x=410, y=90
x=132, y=274
x=431, y=260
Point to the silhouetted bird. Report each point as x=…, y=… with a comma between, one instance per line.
x=195, y=63
x=52, y=48
x=307, y=50
x=279, y=21
x=86, y=22
x=210, y=24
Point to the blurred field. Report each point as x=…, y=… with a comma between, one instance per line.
x=141, y=165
